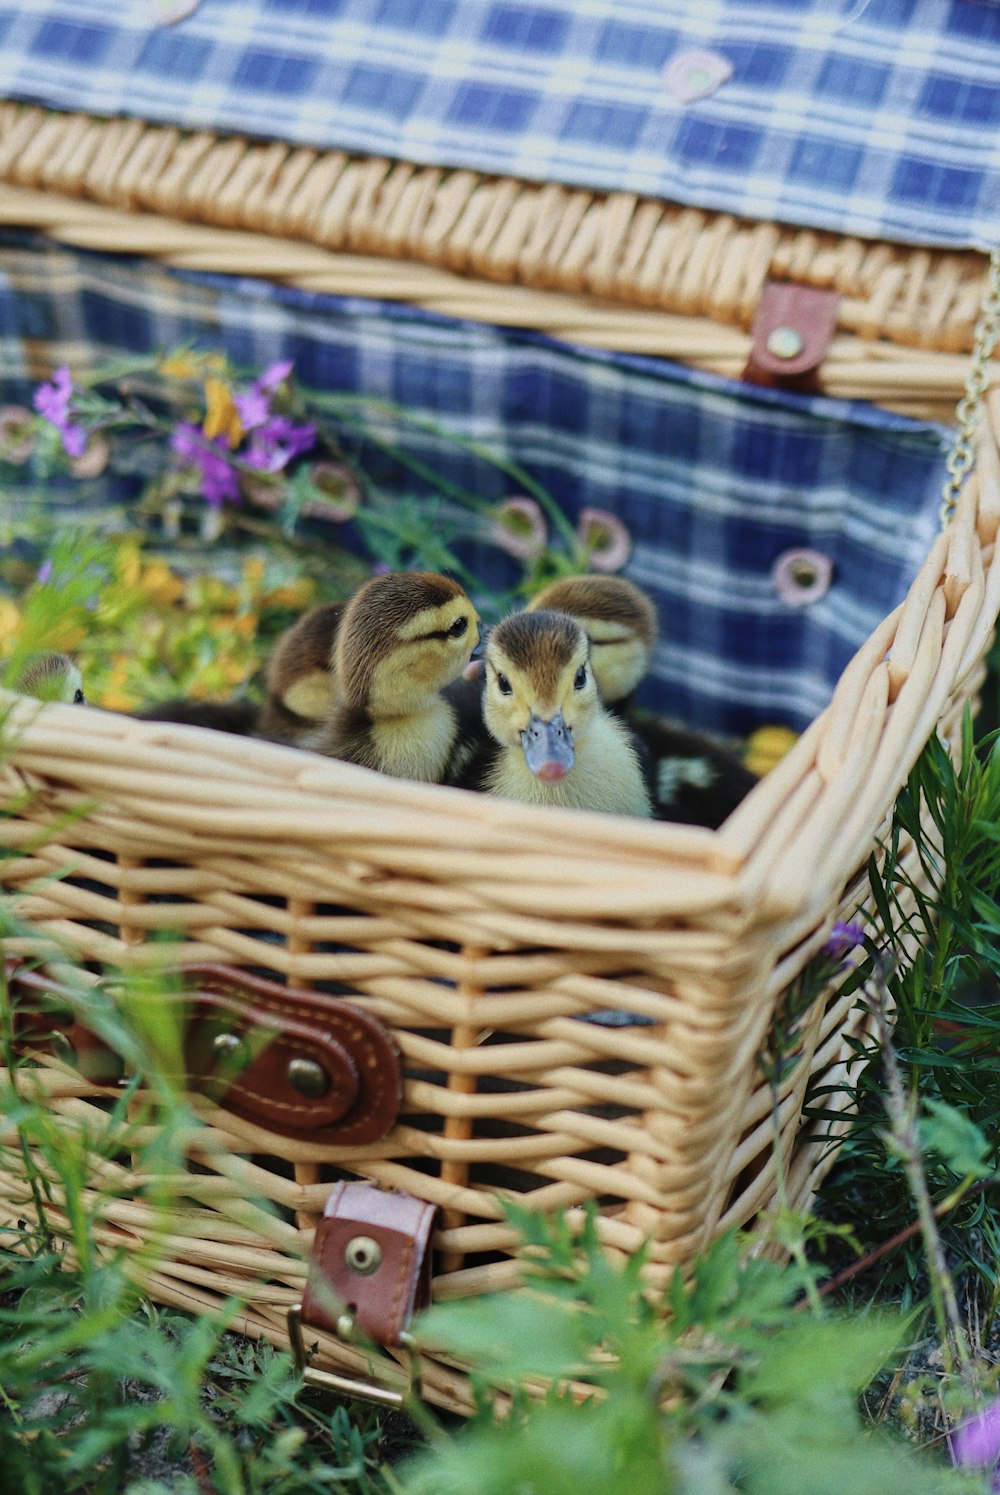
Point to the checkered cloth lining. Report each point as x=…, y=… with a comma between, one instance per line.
x=871, y=117
x=714, y=479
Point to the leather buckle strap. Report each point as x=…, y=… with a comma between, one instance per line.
x=370, y=1271
x=45, y=1018
x=791, y=335
x=300, y=1063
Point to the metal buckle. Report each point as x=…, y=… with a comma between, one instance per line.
x=348, y=1385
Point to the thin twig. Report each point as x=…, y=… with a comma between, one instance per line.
x=903, y=1134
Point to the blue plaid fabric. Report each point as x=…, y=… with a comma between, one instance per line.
x=715, y=480
x=870, y=117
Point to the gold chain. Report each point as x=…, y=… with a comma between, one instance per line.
x=962, y=455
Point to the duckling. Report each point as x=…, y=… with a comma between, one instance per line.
x=621, y=622
x=52, y=677
x=552, y=742
x=692, y=778
x=300, y=681
x=403, y=637
x=237, y=716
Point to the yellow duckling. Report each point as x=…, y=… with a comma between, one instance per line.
x=402, y=639
x=621, y=622
x=552, y=741
x=52, y=677
x=691, y=778
x=300, y=681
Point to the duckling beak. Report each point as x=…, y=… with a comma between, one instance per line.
x=476, y=667
x=548, y=747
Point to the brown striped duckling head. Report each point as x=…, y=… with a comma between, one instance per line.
x=403, y=637
x=52, y=677
x=620, y=621
x=542, y=706
x=300, y=681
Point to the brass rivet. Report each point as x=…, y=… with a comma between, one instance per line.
x=363, y=1255
x=227, y=1045
x=308, y=1077
x=345, y=1326
x=785, y=342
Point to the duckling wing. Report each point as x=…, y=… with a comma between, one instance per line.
x=238, y=716
x=474, y=752
x=692, y=778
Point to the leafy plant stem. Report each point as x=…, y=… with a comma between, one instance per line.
x=903, y=1135
x=791, y=1238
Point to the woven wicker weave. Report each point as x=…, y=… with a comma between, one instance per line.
x=482, y=932
x=605, y=270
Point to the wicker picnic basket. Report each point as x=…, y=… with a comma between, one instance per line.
x=573, y=1005
x=482, y=934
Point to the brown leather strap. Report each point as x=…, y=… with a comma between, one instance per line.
x=371, y=1259
x=300, y=1063
x=45, y=1017
x=791, y=336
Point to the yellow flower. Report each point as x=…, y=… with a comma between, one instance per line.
x=766, y=747
x=253, y=571
x=160, y=584
x=129, y=566
x=222, y=417
x=10, y=621
x=187, y=365
x=113, y=699
x=292, y=595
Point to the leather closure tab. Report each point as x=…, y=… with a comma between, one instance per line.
x=371, y=1263
x=45, y=1018
x=300, y=1063
x=791, y=335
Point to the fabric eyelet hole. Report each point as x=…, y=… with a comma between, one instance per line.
x=802, y=577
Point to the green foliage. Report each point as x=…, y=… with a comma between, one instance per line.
x=93, y=1377
x=937, y=889
x=721, y=1385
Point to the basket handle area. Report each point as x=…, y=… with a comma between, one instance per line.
x=300, y=1063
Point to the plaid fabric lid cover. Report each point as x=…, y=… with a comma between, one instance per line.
x=871, y=117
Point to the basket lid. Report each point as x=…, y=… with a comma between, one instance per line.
x=866, y=117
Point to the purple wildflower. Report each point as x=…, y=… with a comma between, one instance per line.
x=52, y=401
x=275, y=444
x=977, y=1442
x=276, y=374
x=219, y=483
x=842, y=940
x=254, y=405
x=253, y=408
x=44, y=573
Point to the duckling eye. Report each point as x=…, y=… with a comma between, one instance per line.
x=580, y=679
x=506, y=689
x=457, y=628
